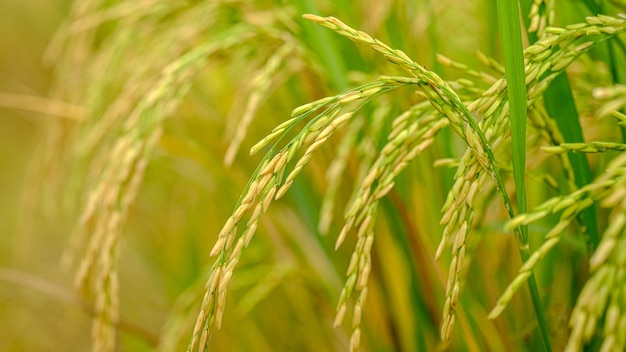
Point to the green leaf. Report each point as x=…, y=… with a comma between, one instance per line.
x=324, y=45
x=560, y=106
x=510, y=29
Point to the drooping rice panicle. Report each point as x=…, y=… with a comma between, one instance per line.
x=541, y=68
x=603, y=295
x=269, y=182
x=115, y=141
x=591, y=147
x=413, y=132
x=605, y=186
x=114, y=192
x=441, y=96
x=479, y=147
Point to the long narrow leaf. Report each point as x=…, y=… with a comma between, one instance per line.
x=560, y=106
x=508, y=15
x=324, y=45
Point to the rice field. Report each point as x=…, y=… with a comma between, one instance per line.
x=313, y=176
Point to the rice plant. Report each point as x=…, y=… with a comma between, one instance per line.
x=422, y=176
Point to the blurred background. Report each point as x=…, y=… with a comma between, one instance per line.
x=73, y=78
x=39, y=309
